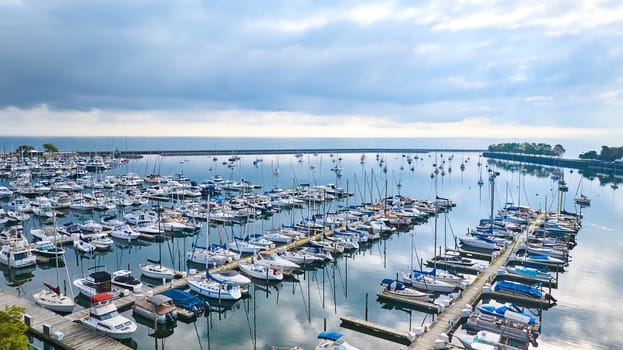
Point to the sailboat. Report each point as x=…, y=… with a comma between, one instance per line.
x=429, y=281
x=154, y=268
x=51, y=297
x=210, y=286
x=614, y=180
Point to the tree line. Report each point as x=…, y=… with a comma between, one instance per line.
x=26, y=149
x=531, y=148
x=607, y=154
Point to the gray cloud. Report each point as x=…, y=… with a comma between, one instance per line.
x=314, y=57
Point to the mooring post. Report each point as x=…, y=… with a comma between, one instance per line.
x=366, y=306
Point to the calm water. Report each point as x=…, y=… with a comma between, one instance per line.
x=107, y=144
x=293, y=312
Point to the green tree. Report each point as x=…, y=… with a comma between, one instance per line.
x=588, y=155
x=50, y=148
x=558, y=150
x=24, y=149
x=12, y=329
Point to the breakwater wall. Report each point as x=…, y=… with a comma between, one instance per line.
x=596, y=166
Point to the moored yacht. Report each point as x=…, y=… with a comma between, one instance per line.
x=158, y=308
x=103, y=317
x=16, y=253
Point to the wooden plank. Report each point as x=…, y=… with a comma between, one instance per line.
x=375, y=329
x=422, y=305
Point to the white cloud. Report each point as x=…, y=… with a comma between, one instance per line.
x=370, y=13
x=240, y=123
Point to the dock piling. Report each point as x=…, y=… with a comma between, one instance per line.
x=366, y=306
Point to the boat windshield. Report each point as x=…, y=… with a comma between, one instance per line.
x=106, y=316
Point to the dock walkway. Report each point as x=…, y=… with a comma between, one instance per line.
x=75, y=336
x=471, y=294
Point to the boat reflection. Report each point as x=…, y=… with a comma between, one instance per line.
x=17, y=277
x=156, y=330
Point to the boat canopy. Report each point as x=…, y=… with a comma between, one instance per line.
x=330, y=335
x=185, y=299
x=101, y=297
x=100, y=276
x=159, y=299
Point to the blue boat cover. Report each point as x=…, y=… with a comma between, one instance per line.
x=387, y=281
x=210, y=276
x=330, y=335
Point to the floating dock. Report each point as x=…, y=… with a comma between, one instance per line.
x=416, y=304
x=452, y=314
x=375, y=329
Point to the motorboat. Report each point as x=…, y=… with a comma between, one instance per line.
x=158, y=308
x=261, y=272
x=16, y=215
x=48, y=249
x=95, y=283
x=153, y=269
x=124, y=279
x=519, y=289
x=49, y=233
x=332, y=341
x=187, y=301
x=508, y=311
x=486, y=340
x=529, y=272
x=16, y=253
x=103, y=317
x=123, y=231
x=83, y=246
x=101, y=241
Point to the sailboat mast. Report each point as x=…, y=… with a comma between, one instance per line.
x=159, y=237
x=208, y=232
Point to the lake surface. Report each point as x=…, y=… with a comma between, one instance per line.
x=294, y=312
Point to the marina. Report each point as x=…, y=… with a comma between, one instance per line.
x=308, y=175
x=447, y=313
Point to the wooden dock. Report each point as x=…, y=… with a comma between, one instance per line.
x=416, y=304
x=375, y=329
x=452, y=314
x=75, y=336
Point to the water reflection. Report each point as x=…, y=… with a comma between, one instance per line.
x=294, y=311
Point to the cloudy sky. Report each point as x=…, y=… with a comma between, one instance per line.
x=312, y=68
